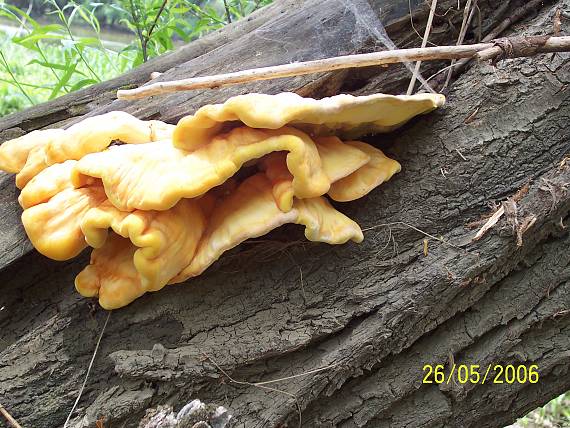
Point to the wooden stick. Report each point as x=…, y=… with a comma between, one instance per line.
x=520, y=45
x=468, y=13
x=493, y=220
x=424, y=44
x=538, y=44
x=13, y=423
x=516, y=16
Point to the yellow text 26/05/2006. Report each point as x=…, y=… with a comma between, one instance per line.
x=475, y=373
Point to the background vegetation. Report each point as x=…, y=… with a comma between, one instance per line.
x=51, y=47
x=555, y=414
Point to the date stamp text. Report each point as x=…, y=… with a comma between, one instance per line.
x=476, y=374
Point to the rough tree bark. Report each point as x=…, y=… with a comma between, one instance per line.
x=373, y=314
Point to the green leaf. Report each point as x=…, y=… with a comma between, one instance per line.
x=82, y=83
x=19, y=12
x=53, y=65
x=88, y=41
x=29, y=40
x=63, y=81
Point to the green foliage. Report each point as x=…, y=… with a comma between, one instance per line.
x=46, y=60
x=554, y=414
x=11, y=101
x=156, y=23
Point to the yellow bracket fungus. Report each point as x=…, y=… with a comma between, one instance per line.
x=159, y=245
x=378, y=170
x=54, y=227
x=32, y=153
x=14, y=153
x=251, y=211
x=35, y=164
x=96, y=133
x=47, y=183
x=342, y=115
x=156, y=176
x=339, y=160
x=167, y=204
x=111, y=274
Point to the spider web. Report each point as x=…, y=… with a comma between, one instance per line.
x=351, y=26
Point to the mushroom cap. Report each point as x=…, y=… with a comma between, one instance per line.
x=252, y=211
x=165, y=241
x=323, y=223
x=14, y=153
x=340, y=159
x=32, y=153
x=46, y=184
x=343, y=115
x=35, y=163
x=354, y=169
x=378, y=170
x=275, y=167
x=96, y=133
x=111, y=274
x=54, y=227
x=155, y=176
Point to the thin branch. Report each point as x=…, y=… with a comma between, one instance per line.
x=65, y=23
x=514, y=17
x=11, y=421
x=23, y=22
x=467, y=18
x=136, y=21
x=401, y=223
x=538, y=44
x=424, y=44
x=228, y=14
x=310, y=372
x=16, y=82
x=261, y=386
x=162, y=6
x=412, y=19
x=146, y=38
x=256, y=6
x=88, y=370
x=198, y=12
x=29, y=85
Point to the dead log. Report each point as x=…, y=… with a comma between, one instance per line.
x=349, y=328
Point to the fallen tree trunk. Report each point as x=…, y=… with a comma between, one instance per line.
x=348, y=328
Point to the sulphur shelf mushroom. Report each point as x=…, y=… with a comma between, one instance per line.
x=32, y=153
x=166, y=202
x=252, y=211
x=145, y=250
x=343, y=115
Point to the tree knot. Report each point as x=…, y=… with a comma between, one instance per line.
x=514, y=47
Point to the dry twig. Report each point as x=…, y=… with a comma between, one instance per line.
x=11, y=421
x=88, y=370
x=514, y=17
x=263, y=385
x=401, y=223
x=532, y=46
x=468, y=14
x=490, y=223
x=424, y=44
